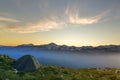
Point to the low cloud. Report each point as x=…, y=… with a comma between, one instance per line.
x=7, y=19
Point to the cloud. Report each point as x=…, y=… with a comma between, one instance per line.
x=6, y=19
x=75, y=18
x=43, y=25
x=50, y=22
x=37, y=27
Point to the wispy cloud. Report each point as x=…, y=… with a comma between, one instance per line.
x=71, y=16
x=7, y=19
x=75, y=18
x=43, y=25
x=37, y=27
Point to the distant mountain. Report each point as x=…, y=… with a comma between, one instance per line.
x=26, y=45
x=105, y=48
x=1, y=45
x=55, y=47
x=50, y=46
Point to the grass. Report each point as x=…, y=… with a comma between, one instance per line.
x=7, y=72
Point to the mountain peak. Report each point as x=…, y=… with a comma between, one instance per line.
x=52, y=44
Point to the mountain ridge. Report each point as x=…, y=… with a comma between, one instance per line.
x=55, y=47
x=52, y=43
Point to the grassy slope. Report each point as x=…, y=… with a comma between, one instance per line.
x=7, y=72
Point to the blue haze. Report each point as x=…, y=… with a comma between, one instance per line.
x=67, y=59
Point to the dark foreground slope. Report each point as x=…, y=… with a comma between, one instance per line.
x=7, y=72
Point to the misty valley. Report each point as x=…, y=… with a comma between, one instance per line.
x=66, y=56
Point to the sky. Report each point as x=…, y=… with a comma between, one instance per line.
x=70, y=22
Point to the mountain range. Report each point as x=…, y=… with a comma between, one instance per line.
x=55, y=47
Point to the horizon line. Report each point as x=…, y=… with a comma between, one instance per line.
x=60, y=44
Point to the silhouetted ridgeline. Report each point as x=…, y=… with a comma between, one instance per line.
x=55, y=47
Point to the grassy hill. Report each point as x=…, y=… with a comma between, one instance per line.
x=7, y=72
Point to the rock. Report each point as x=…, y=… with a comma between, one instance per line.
x=27, y=63
x=117, y=71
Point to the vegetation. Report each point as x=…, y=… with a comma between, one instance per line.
x=7, y=72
